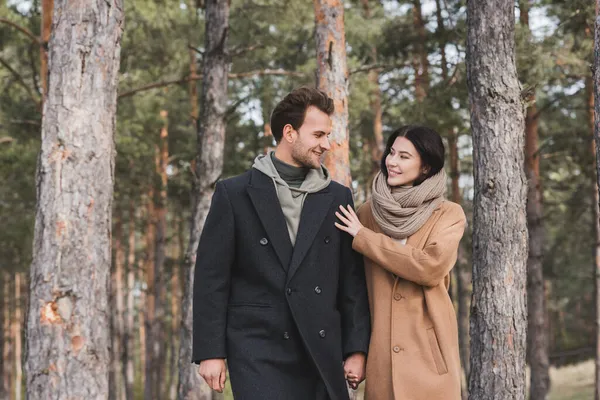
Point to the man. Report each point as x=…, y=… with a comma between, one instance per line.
x=278, y=290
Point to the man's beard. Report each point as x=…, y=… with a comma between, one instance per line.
x=305, y=158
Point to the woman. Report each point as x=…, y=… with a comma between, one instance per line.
x=409, y=236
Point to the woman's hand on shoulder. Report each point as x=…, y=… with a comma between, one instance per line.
x=350, y=222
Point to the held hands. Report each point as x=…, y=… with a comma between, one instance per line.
x=350, y=221
x=214, y=373
x=354, y=369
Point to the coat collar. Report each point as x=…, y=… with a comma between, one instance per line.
x=264, y=198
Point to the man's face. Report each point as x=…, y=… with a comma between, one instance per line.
x=312, y=140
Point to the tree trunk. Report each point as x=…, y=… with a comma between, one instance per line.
x=142, y=324
x=537, y=330
x=68, y=326
x=420, y=62
x=3, y=363
x=332, y=78
x=157, y=332
x=498, y=310
x=47, y=6
x=175, y=304
x=17, y=335
x=118, y=311
x=7, y=333
x=593, y=90
x=128, y=337
x=209, y=167
x=375, y=142
x=150, y=303
x=463, y=277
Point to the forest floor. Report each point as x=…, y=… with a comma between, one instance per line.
x=572, y=382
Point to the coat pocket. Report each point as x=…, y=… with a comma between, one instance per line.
x=440, y=364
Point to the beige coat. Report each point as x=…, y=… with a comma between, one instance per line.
x=413, y=353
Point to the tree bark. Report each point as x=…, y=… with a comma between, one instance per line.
x=117, y=326
x=7, y=332
x=158, y=346
x=17, y=335
x=3, y=363
x=420, y=63
x=128, y=337
x=463, y=277
x=498, y=310
x=593, y=91
x=47, y=8
x=332, y=78
x=150, y=298
x=375, y=142
x=537, y=330
x=209, y=167
x=68, y=319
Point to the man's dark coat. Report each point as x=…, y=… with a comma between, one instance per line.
x=278, y=313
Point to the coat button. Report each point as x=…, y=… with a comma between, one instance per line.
x=397, y=296
x=396, y=349
x=288, y=291
x=318, y=290
x=327, y=239
x=286, y=335
x=264, y=241
x=322, y=333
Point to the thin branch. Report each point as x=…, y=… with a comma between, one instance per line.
x=378, y=67
x=21, y=81
x=239, y=51
x=196, y=50
x=22, y=30
x=199, y=77
x=265, y=72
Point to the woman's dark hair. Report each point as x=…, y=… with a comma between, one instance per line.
x=428, y=143
x=292, y=109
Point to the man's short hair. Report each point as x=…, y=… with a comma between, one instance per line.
x=292, y=109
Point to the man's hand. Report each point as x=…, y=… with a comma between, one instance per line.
x=214, y=373
x=354, y=369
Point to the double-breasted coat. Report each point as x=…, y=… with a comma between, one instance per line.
x=278, y=313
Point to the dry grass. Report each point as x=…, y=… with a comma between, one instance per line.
x=573, y=382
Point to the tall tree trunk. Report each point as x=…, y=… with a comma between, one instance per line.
x=332, y=78
x=7, y=361
x=420, y=62
x=150, y=303
x=47, y=6
x=462, y=274
x=209, y=167
x=116, y=381
x=499, y=309
x=3, y=363
x=128, y=337
x=593, y=90
x=17, y=334
x=175, y=304
x=537, y=330
x=375, y=142
x=68, y=327
x=158, y=333
x=142, y=323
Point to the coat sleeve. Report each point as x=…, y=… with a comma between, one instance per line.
x=426, y=267
x=212, y=277
x=353, y=302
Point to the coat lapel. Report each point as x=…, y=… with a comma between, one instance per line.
x=264, y=198
x=314, y=212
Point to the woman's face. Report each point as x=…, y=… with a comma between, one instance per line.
x=403, y=164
